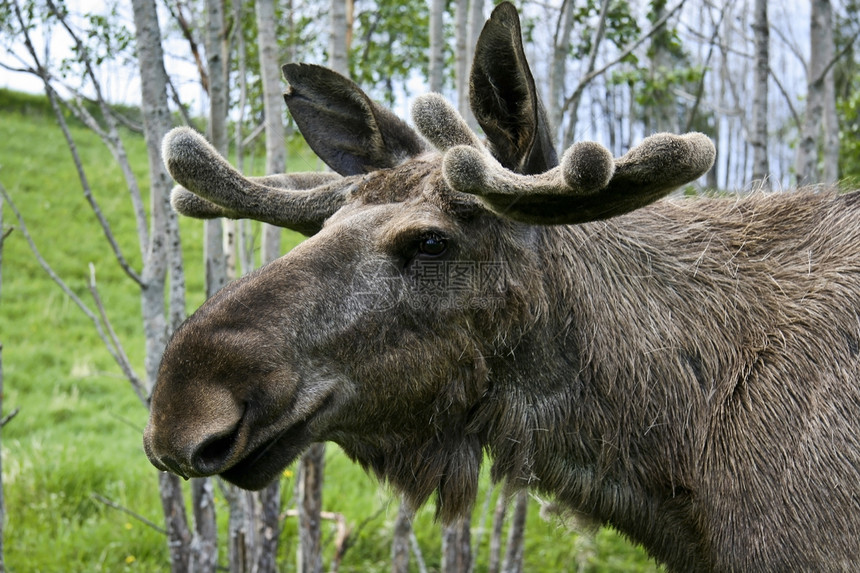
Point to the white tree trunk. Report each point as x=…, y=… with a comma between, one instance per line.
x=558, y=67
x=205, y=534
x=156, y=124
x=516, y=535
x=759, y=131
x=461, y=55
x=216, y=267
x=820, y=34
x=830, y=144
x=273, y=104
x=401, y=540
x=437, y=45
x=457, y=546
x=309, y=501
x=337, y=46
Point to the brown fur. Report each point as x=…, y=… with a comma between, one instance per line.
x=686, y=372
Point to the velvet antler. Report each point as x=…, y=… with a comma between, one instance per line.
x=211, y=187
x=588, y=185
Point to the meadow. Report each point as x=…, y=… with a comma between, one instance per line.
x=77, y=437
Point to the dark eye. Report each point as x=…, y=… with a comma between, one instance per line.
x=432, y=246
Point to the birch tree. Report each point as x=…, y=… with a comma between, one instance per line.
x=162, y=250
x=461, y=55
x=268, y=522
x=437, y=45
x=338, y=49
x=820, y=62
x=759, y=131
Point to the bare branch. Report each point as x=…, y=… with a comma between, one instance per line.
x=416, y=551
x=112, y=140
x=787, y=97
x=700, y=89
x=94, y=318
x=186, y=28
x=53, y=98
x=102, y=499
x=791, y=45
x=837, y=57
x=8, y=417
x=25, y=70
x=118, y=351
x=174, y=95
x=583, y=82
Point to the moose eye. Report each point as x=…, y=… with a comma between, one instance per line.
x=432, y=246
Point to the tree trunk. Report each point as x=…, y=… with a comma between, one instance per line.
x=205, y=534
x=830, y=146
x=176, y=522
x=661, y=115
x=758, y=139
x=216, y=62
x=204, y=546
x=437, y=45
x=156, y=124
x=401, y=542
x=338, y=53
x=268, y=527
x=309, y=501
x=476, y=24
x=571, y=104
x=270, y=70
x=276, y=162
x=558, y=67
x=820, y=35
x=496, y=536
x=461, y=55
x=457, y=546
x=516, y=535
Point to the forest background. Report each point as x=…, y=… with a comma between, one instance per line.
x=772, y=83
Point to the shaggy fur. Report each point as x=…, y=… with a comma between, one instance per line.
x=686, y=371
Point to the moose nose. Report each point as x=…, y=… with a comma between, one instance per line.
x=195, y=439
x=195, y=457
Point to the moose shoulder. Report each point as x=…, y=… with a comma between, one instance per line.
x=685, y=370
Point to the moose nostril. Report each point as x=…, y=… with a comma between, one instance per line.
x=215, y=453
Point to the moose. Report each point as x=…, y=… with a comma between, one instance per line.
x=685, y=370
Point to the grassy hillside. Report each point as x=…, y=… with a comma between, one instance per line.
x=78, y=433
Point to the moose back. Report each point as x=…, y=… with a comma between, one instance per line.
x=685, y=370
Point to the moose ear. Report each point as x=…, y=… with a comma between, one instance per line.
x=345, y=128
x=504, y=100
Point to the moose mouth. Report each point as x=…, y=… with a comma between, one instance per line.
x=259, y=467
x=264, y=463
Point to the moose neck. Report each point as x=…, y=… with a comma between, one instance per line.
x=587, y=411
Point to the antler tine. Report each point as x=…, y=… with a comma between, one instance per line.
x=213, y=188
x=586, y=168
x=441, y=124
x=588, y=185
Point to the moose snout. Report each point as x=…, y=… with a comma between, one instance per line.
x=204, y=439
x=196, y=457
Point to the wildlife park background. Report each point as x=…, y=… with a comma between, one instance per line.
x=95, y=271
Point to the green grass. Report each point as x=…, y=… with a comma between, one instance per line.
x=78, y=432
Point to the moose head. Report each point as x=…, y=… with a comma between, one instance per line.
x=457, y=297
x=423, y=266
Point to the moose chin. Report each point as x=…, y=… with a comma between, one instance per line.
x=685, y=370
